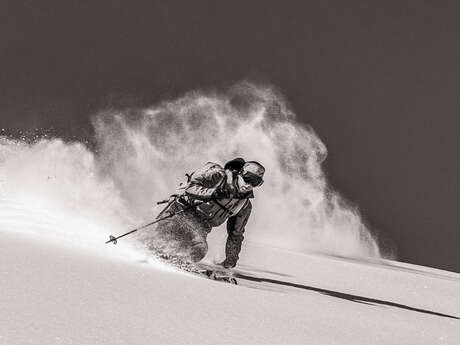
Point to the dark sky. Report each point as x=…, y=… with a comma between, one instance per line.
x=379, y=81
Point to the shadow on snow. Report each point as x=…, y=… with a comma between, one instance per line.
x=336, y=294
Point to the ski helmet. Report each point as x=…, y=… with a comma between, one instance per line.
x=250, y=176
x=235, y=164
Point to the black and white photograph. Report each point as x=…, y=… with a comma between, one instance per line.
x=230, y=172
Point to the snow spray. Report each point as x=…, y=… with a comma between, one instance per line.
x=54, y=190
x=143, y=154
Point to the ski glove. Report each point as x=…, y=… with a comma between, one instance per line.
x=221, y=194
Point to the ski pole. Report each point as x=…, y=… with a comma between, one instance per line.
x=114, y=239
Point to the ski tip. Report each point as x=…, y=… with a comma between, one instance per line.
x=112, y=239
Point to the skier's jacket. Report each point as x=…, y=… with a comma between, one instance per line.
x=202, y=186
x=200, y=191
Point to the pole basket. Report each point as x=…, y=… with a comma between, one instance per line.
x=112, y=239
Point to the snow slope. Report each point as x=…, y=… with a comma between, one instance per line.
x=61, y=290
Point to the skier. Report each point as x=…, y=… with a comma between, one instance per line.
x=212, y=195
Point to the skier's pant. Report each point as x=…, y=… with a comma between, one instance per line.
x=183, y=235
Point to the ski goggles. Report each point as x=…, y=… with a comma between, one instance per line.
x=252, y=179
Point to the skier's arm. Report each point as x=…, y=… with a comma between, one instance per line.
x=235, y=230
x=203, y=185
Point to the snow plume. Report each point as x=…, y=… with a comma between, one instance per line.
x=55, y=190
x=147, y=151
x=143, y=154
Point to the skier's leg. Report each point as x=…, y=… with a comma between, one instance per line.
x=198, y=250
x=198, y=246
x=182, y=235
x=235, y=230
x=160, y=239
